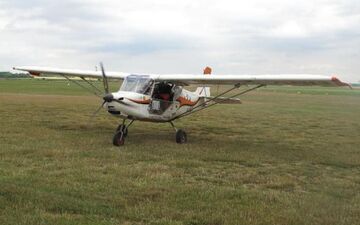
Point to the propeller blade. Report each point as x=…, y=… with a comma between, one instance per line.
x=97, y=111
x=105, y=81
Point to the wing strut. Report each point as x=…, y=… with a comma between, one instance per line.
x=94, y=91
x=204, y=106
x=92, y=85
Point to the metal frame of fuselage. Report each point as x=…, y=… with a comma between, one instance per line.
x=135, y=106
x=139, y=111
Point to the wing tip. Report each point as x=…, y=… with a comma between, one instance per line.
x=31, y=72
x=338, y=82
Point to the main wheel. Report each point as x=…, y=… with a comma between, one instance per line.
x=119, y=138
x=181, y=137
x=122, y=128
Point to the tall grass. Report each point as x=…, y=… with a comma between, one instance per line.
x=279, y=158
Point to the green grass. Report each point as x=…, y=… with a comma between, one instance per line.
x=314, y=91
x=52, y=87
x=279, y=158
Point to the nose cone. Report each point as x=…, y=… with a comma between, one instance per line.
x=108, y=98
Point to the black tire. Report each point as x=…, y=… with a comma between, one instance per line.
x=119, y=139
x=122, y=128
x=181, y=137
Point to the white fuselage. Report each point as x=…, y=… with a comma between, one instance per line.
x=141, y=107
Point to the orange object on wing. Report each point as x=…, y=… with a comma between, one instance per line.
x=339, y=83
x=207, y=70
x=33, y=73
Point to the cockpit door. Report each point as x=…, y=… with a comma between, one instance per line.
x=163, y=97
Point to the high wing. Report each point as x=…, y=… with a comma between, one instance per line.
x=283, y=79
x=47, y=71
x=199, y=79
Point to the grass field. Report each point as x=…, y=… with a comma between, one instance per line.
x=285, y=156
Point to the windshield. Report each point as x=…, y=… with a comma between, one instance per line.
x=140, y=84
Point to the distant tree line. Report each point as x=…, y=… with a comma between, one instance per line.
x=12, y=75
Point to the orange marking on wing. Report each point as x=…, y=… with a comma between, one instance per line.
x=34, y=73
x=335, y=79
x=339, y=82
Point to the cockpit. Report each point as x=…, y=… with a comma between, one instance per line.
x=162, y=93
x=141, y=84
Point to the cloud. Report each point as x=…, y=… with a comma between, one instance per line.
x=279, y=36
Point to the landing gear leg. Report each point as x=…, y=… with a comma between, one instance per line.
x=121, y=133
x=180, y=136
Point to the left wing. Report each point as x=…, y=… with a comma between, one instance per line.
x=47, y=71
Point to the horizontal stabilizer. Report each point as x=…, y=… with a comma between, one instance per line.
x=225, y=100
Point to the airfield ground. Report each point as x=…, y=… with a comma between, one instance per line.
x=285, y=156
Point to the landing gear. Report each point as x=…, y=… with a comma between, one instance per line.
x=180, y=135
x=119, y=139
x=122, y=128
x=121, y=133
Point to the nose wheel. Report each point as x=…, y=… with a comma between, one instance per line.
x=119, y=139
x=121, y=133
x=123, y=129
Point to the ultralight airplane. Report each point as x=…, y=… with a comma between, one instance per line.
x=163, y=98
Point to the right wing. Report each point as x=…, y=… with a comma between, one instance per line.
x=47, y=71
x=280, y=79
x=197, y=79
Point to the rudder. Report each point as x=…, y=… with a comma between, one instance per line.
x=204, y=91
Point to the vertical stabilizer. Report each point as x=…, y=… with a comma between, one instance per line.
x=204, y=91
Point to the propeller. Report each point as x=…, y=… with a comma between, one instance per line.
x=97, y=111
x=108, y=97
x=105, y=81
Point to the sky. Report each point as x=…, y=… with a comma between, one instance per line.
x=169, y=36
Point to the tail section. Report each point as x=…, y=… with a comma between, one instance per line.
x=204, y=91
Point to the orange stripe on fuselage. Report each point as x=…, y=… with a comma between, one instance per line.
x=140, y=101
x=184, y=101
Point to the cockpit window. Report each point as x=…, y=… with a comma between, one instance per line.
x=138, y=83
